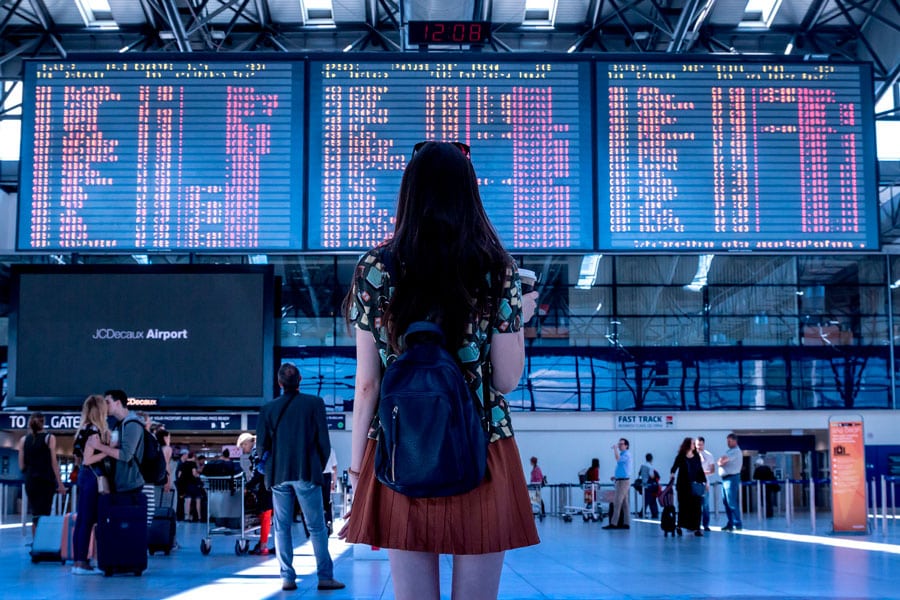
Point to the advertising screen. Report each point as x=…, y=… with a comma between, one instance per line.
x=170, y=337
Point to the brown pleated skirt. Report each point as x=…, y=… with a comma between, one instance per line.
x=493, y=517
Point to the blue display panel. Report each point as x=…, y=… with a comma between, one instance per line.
x=736, y=156
x=527, y=122
x=161, y=154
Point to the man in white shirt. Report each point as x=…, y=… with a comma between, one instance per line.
x=709, y=467
x=730, y=465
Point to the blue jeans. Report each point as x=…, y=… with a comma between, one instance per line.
x=731, y=485
x=87, y=513
x=310, y=497
x=704, y=508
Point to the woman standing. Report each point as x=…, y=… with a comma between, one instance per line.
x=689, y=469
x=255, y=485
x=446, y=264
x=37, y=460
x=93, y=423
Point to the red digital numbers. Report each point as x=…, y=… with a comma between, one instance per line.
x=447, y=32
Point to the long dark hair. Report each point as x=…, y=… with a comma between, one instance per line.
x=443, y=248
x=685, y=446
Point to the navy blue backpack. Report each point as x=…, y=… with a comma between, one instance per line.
x=432, y=443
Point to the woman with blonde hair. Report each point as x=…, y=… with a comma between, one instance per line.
x=93, y=469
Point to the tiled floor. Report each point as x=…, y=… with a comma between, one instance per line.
x=574, y=560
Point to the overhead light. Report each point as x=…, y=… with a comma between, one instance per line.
x=348, y=48
x=318, y=12
x=141, y=259
x=704, y=262
x=896, y=284
x=789, y=48
x=258, y=259
x=587, y=275
x=539, y=14
x=759, y=14
x=97, y=14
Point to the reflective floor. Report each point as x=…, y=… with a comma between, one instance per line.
x=574, y=560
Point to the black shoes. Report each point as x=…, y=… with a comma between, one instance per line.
x=330, y=584
x=706, y=528
x=728, y=528
x=698, y=533
x=288, y=586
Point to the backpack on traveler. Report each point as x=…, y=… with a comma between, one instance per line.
x=152, y=461
x=432, y=442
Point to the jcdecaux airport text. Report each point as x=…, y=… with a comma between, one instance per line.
x=163, y=335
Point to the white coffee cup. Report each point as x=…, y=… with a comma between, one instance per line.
x=529, y=278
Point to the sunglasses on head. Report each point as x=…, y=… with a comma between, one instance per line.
x=464, y=148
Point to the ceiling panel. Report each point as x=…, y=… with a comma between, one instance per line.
x=572, y=12
x=127, y=12
x=64, y=12
x=349, y=11
x=507, y=12
x=429, y=10
x=287, y=11
x=727, y=12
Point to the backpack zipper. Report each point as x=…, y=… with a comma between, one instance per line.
x=394, y=414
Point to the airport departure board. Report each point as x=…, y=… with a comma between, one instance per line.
x=573, y=153
x=735, y=156
x=526, y=122
x=161, y=155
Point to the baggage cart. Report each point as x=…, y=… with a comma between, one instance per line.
x=590, y=509
x=537, y=502
x=225, y=505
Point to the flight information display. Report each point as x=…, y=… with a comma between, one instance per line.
x=528, y=125
x=572, y=153
x=161, y=155
x=736, y=156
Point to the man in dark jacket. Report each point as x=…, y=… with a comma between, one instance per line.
x=293, y=429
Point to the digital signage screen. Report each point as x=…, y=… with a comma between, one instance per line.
x=171, y=337
x=527, y=122
x=728, y=156
x=161, y=154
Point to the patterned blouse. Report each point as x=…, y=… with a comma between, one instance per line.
x=372, y=292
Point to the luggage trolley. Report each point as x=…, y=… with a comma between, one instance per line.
x=225, y=500
x=591, y=509
x=537, y=502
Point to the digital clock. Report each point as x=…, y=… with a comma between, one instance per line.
x=448, y=32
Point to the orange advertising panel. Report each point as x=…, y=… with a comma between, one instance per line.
x=848, y=476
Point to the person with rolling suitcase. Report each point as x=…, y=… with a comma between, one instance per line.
x=122, y=515
x=37, y=460
x=161, y=532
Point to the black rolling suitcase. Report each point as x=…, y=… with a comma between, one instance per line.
x=122, y=533
x=667, y=520
x=161, y=536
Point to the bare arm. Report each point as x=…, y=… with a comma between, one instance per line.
x=508, y=351
x=507, y=360
x=60, y=487
x=21, y=448
x=365, y=397
x=91, y=454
